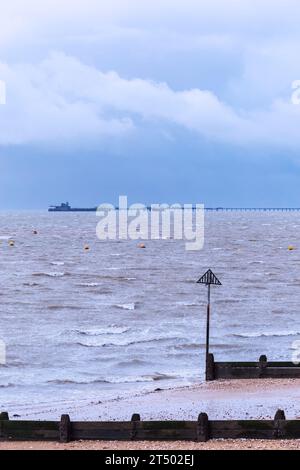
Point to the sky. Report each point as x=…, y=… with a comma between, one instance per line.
x=165, y=101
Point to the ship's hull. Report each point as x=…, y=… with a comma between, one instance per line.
x=74, y=209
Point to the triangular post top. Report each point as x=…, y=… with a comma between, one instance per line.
x=209, y=278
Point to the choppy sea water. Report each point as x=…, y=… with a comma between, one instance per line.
x=117, y=319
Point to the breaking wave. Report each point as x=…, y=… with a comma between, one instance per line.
x=90, y=284
x=266, y=334
x=54, y=274
x=97, y=342
x=125, y=306
x=115, y=380
x=188, y=304
x=110, y=330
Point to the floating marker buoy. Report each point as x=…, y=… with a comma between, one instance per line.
x=86, y=247
x=141, y=245
x=34, y=232
x=291, y=248
x=11, y=243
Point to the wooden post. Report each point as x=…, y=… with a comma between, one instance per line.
x=202, y=428
x=279, y=425
x=210, y=367
x=262, y=365
x=3, y=417
x=65, y=429
x=135, y=419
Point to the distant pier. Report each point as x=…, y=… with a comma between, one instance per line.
x=65, y=207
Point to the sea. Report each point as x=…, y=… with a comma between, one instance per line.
x=117, y=320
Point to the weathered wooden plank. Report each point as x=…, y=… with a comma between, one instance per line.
x=101, y=434
x=240, y=373
x=292, y=429
x=167, y=430
x=110, y=425
x=236, y=364
x=167, y=435
x=281, y=372
x=236, y=372
x=29, y=430
x=283, y=364
x=251, y=429
x=111, y=430
x=149, y=430
x=260, y=369
x=256, y=364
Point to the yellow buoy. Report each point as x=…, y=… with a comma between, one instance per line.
x=141, y=245
x=291, y=248
x=11, y=243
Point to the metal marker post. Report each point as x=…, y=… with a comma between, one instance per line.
x=207, y=320
x=208, y=279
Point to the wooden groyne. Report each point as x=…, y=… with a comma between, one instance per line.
x=201, y=430
x=262, y=369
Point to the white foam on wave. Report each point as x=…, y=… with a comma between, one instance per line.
x=140, y=378
x=187, y=304
x=90, y=284
x=50, y=274
x=114, y=379
x=126, y=306
x=109, y=330
x=130, y=339
x=267, y=334
x=57, y=263
x=129, y=379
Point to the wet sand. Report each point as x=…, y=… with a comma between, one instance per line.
x=231, y=399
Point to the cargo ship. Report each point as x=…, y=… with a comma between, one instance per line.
x=65, y=207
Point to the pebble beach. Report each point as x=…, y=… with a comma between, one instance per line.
x=218, y=444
